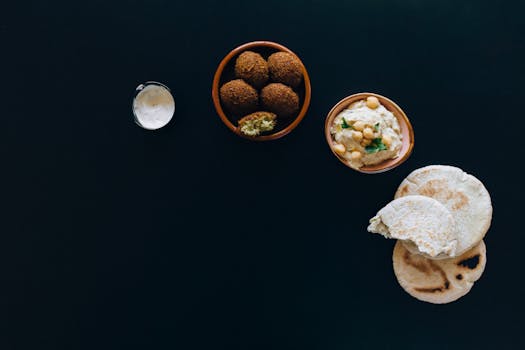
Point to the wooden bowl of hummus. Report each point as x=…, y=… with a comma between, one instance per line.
x=369, y=133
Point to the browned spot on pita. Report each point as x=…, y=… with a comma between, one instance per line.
x=471, y=262
x=434, y=289
x=419, y=265
x=403, y=190
x=432, y=187
x=459, y=277
x=446, y=282
x=461, y=201
x=429, y=290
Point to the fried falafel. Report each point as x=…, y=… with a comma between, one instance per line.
x=253, y=68
x=256, y=123
x=285, y=68
x=239, y=97
x=280, y=99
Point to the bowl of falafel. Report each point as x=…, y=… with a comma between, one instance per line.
x=261, y=90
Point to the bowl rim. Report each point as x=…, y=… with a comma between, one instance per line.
x=216, y=98
x=398, y=113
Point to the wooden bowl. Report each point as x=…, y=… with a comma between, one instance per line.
x=406, y=131
x=225, y=72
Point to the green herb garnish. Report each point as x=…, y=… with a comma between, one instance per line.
x=376, y=127
x=344, y=125
x=375, y=146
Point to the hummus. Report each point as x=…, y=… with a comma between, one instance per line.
x=366, y=133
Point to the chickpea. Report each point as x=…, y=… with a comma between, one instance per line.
x=387, y=140
x=372, y=102
x=368, y=133
x=355, y=155
x=359, y=125
x=366, y=142
x=339, y=149
x=357, y=135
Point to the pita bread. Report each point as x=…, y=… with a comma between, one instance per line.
x=438, y=281
x=462, y=194
x=422, y=221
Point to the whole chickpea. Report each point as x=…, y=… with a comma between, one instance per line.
x=355, y=155
x=368, y=133
x=359, y=125
x=372, y=102
x=339, y=148
x=357, y=135
x=387, y=140
x=366, y=142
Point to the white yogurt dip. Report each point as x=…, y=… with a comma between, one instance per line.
x=153, y=106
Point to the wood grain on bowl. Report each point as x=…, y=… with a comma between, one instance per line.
x=226, y=72
x=407, y=132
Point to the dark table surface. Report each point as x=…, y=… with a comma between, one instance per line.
x=193, y=238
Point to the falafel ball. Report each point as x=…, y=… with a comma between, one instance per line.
x=285, y=68
x=239, y=97
x=280, y=99
x=253, y=68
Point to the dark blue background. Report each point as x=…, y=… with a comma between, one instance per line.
x=113, y=237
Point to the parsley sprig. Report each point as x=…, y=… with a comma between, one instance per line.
x=375, y=146
x=345, y=125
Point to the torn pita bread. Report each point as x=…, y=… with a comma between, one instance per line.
x=424, y=223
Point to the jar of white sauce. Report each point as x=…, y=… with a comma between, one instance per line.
x=153, y=105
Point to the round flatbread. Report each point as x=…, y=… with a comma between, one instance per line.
x=462, y=194
x=422, y=222
x=438, y=281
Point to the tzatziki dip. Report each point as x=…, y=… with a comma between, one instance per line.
x=366, y=133
x=153, y=105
